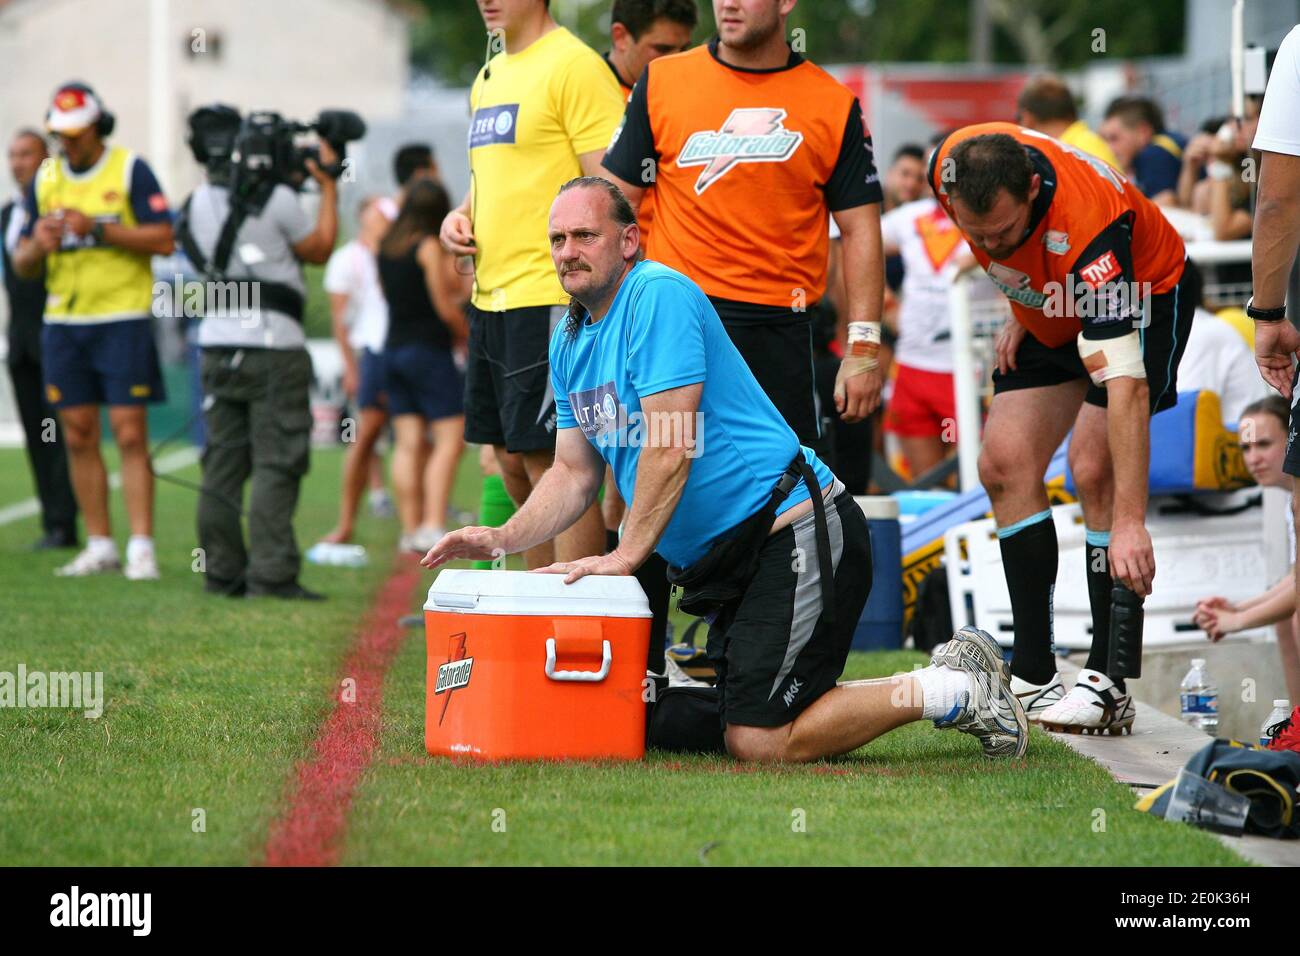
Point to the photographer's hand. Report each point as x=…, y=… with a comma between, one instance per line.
x=328, y=157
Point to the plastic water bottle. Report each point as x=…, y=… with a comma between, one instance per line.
x=1200, y=699
x=1281, y=711
x=339, y=555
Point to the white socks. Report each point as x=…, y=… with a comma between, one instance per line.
x=942, y=690
x=139, y=546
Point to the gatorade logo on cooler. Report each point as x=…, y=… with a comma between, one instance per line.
x=454, y=674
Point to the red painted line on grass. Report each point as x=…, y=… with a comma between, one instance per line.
x=310, y=831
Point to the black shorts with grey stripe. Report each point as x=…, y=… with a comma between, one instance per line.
x=774, y=651
x=508, y=397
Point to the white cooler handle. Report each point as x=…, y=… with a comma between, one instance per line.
x=592, y=676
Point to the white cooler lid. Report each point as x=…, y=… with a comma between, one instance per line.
x=467, y=591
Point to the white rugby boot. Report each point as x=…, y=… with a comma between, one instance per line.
x=1094, y=705
x=1036, y=698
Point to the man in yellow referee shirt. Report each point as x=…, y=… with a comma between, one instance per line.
x=542, y=111
x=95, y=216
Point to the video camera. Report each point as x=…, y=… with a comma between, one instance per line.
x=252, y=154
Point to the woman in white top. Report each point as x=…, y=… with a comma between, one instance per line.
x=1263, y=432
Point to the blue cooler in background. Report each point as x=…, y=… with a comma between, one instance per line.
x=881, y=625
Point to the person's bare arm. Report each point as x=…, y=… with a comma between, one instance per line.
x=339, y=326
x=1128, y=432
x=1274, y=605
x=660, y=478
x=29, y=257
x=442, y=283
x=319, y=243
x=1228, y=223
x=589, y=163
x=152, y=238
x=861, y=246
x=1166, y=198
x=661, y=472
x=149, y=238
x=563, y=495
x=1273, y=249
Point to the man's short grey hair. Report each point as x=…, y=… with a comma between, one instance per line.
x=623, y=212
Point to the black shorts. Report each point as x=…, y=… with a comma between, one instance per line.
x=1163, y=342
x=780, y=354
x=773, y=649
x=508, y=397
x=1291, y=465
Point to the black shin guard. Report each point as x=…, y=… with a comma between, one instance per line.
x=1099, y=586
x=1029, y=558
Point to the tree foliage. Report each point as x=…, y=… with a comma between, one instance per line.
x=449, y=42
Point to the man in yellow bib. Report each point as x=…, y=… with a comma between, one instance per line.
x=95, y=216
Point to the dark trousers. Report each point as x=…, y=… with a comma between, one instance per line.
x=259, y=427
x=46, y=452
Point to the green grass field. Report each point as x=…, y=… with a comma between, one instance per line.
x=210, y=703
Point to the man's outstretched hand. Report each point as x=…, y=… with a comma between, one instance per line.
x=474, y=543
x=610, y=563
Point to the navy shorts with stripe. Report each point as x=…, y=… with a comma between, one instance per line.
x=1163, y=341
x=101, y=363
x=773, y=648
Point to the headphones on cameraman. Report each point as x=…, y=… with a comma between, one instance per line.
x=106, y=121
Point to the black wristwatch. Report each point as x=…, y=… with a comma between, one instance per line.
x=97, y=230
x=1264, y=315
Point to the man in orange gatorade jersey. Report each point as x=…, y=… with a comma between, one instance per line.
x=747, y=148
x=1097, y=280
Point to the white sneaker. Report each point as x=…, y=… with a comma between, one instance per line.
x=90, y=562
x=413, y=543
x=991, y=713
x=1036, y=698
x=143, y=567
x=1094, y=705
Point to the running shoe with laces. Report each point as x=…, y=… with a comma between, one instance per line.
x=991, y=712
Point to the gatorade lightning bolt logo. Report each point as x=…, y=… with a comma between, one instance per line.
x=752, y=135
x=455, y=673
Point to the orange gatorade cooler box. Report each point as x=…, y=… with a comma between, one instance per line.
x=524, y=666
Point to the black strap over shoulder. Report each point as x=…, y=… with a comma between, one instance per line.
x=726, y=569
x=270, y=295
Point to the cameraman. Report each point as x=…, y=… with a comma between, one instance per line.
x=255, y=367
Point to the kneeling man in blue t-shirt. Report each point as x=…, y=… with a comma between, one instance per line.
x=647, y=381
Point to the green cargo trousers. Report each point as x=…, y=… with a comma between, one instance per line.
x=259, y=424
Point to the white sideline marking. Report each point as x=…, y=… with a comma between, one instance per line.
x=172, y=461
